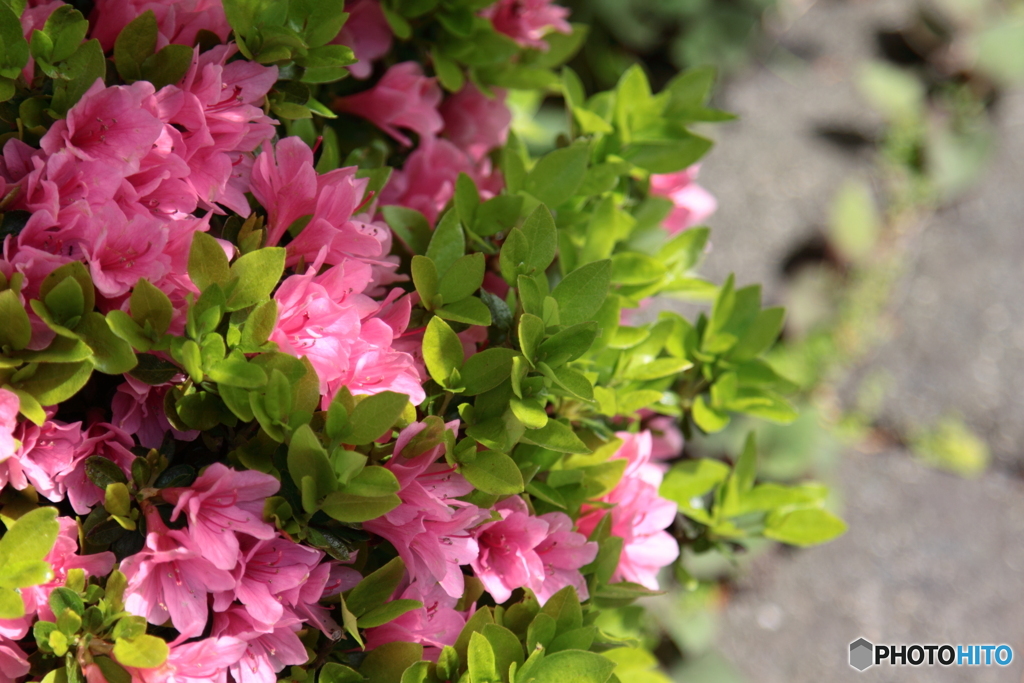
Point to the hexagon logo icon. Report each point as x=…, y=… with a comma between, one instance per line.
x=861, y=654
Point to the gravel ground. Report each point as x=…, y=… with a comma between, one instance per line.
x=929, y=557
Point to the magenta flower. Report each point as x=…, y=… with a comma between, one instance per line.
x=178, y=21
x=430, y=529
x=639, y=517
x=13, y=662
x=9, y=406
x=508, y=557
x=46, y=456
x=435, y=625
x=138, y=408
x=221, y=503
x=112, y=125
x=368, y=34
x=475, y=122
x=266, y=569
x=268, y=649
x=692, y=204
x=528, y=21
x=562, y=553
x=404, y=98
x=427, y=181
x=171, y=579
x=199, y=661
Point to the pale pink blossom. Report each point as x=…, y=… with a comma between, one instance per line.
x=138, y=408
x=63, y=557
x=328, y=319
x=9, y=406
x=198, y=661
x=266, y=569
x=475, y=122
x=666, y=439
x=436, y=624
x=268, y=649
x=431, y=528
x=171, y=579
x=404, y=98
x=528, y=21
x=368, y=34
x=508, y=557
x=562, y=553
x=46, y=456
x=178, y=21
x=639, y=517
x=102, y=440
x=427, y=180
x=221, y=503
x=692, y=204
x=13, y=661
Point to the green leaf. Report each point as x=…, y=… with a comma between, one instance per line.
x=631, y=268
x=467, y=198
x=307, y=458
x=709, y=419
x=207, y=262
x=558, y=174
x=497, y=214
x=373, y=482
x=471, y=311
x=542, y=236
x=15, y=53
x=127, y=329
x=572, y=381
x=564, y=608
x=556, y=437
x=442, y=351
x=111, y=354
x=66, y=29
x=803, y=527
x=514, y=253
x=506, y=646
x=449, y=73
x=493, y=472
x=692, y=479
x=11, y=604
x=582, y=292
x=424, y=277
x=374, y=416
x=487, y=369
x=351, y=509
x=569, y=344
x=410, y=225
x=531, y=333
x=658, y=368
x=573, y=666
x=259, y=326
x=82, y=69
x=668, y=156
x=25, y=573
x=387, y=663
x=332, y=672
x=481, y=663
x=143, y=652
x=150, y=305
x=54, y=383
x=448, y=243
x=77, y=270
x=134, y=45
x=690, y=89
x=66, y=301
x=463, y=278
x=375, y=589
x=257, y=273
x=16, y=332
x=388, y=612
x=759, y=337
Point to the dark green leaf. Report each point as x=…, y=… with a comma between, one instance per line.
x=582, y=292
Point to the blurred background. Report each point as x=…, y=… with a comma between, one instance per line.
x=874, y=184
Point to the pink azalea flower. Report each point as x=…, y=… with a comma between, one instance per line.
x=108, y=124
x=666, y=439
x=563, y=552
x=286, y=184
x=528, y=21
x=639, y=517
x=46, y=456
x=104, y=440
x=9, y=406
x=121, y=251
x=178, y=21
x=138, y=408
x=267, y=568
x=435, y=625
x=427, y=181
x=404, y=98
x=692, y=204
x=199, y=661
x=13, y=662
x=326, y=580
x=268, y=649
x=508, y=558
x=221, y=503
x=171, y=579
x=328, y=319
x=368, y=34
x=430, y=529
x=476, y=123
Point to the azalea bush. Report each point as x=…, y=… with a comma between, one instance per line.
x=311, y=372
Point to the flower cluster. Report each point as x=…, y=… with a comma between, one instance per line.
x=310, y=368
